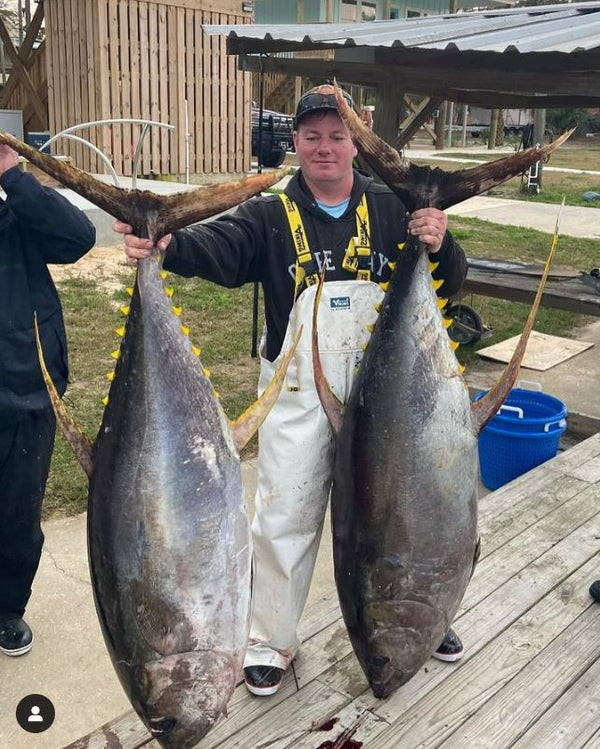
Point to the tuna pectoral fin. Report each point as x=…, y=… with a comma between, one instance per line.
x=79, y=443
x=419, y=186
x=483, y=410
x=246, y=425
x=333, y=407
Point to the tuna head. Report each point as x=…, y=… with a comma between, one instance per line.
x=181, y=695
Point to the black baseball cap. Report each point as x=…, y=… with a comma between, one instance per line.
x=319, y=99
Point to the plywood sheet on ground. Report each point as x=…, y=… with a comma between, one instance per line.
x=543, y=351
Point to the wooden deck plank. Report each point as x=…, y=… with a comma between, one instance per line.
x=594, y=742
x=505, y=717
x=573, y=719
x=530, y=632
x=440, y=697
x=127, y=729
x=531, y=544
x=508, y=522
x=460, y=679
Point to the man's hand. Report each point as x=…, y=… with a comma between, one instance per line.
x=8, y=159
x=136, y=248
x=430, y=225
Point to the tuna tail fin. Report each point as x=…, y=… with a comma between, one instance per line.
x=333, y=407
x=142, y=209
x=421, y=186
x=79, y=443
x=483, y=410
x=246, y=425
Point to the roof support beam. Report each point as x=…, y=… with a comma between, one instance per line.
x=484, y=86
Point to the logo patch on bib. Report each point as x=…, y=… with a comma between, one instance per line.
x=339, y=302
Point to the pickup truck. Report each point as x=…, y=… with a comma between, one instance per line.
x=276, y=136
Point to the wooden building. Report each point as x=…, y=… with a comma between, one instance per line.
x=146, y=59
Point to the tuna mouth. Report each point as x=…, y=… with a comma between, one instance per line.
x=161, y=726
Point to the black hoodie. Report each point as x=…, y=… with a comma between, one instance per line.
x=254, y=243
x=37, y=226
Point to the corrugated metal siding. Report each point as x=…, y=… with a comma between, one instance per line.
x=551, y=28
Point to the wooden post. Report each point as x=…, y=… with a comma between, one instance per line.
x=493, y=130
x=388, y=105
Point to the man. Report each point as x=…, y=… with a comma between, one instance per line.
x=284, y=242
x=37, y=226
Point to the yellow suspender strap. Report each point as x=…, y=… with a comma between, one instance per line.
x=306, y=266
x=358, y=255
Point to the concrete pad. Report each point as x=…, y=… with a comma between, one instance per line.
x=576, y=221
x=574, y=382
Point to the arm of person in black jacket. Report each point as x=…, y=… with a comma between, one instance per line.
x=65, y=233
x=226, y=250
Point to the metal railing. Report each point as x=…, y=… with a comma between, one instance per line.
x=146, y=124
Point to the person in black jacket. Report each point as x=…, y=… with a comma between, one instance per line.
x=330, y=218
x=37, y=226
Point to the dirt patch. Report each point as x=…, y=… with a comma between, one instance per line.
x=105, y=266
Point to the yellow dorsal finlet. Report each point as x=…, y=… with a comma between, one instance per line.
x=392, y=265
x=105, y=400
x=454, y=345
x=385, y=285
x=437, y=283
x=447, y=322
x=110, y=376
x=177, y=311
x=120, y=331
x=116, y=354
x=169, y=290
x=441, y=303
x=401, y=245
x=125, y=310
x=432, y=266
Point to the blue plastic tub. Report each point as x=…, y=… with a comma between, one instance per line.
x=524, y=433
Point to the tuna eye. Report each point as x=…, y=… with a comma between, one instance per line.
x=159, y=726
x=379, y=661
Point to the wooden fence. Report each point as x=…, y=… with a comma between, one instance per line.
x=148, y=59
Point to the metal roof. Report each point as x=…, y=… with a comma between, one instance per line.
x=564, y=28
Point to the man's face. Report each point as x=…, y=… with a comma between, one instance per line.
x=324, y=147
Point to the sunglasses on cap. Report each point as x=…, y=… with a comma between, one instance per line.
x=318, y=99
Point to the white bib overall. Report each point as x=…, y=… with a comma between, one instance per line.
x=295, y=463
